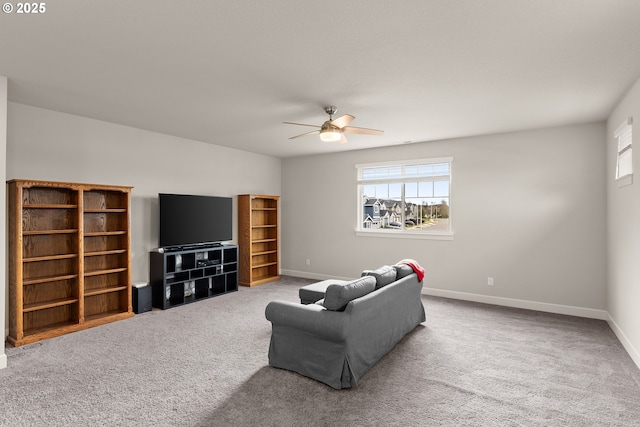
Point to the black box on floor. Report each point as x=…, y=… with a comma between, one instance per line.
x=141, y=298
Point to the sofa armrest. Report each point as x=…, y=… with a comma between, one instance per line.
x=311, y=318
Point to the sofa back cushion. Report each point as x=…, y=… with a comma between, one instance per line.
x=402, y=270
x=383, y=275
x=337, y=297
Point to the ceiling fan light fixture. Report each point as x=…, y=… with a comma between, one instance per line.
x=330, y=133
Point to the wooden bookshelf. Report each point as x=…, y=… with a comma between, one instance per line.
x=258, y=236
x=69, y=258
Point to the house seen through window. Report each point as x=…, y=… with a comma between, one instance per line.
x=407, y=196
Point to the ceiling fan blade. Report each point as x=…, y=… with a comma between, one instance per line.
x=301, y=124
x=343, y=139
x=362, y=131
x=305, y=134
x=343, y=121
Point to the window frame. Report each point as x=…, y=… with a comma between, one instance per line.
x=623, y=136
x=361, y=231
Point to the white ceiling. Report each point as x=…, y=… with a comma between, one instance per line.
x=229, y=72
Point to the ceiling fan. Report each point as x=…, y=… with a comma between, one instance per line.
x=334, y=129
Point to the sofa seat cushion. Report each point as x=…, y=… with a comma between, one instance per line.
x=337, y=297
x=315, y=291
x=383, y=275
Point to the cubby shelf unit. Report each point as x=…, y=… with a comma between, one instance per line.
x=185, y=276
x=69, y=258
x=258, y=236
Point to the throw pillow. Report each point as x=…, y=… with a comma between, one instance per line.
x=337, y=297
x=384, y=275
x=402, y=270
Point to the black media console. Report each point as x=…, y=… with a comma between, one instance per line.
x=184, y=276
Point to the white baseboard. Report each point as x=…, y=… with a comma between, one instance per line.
x=635, y=355
x=308, y=275
x=517, y=303
x=3, y=361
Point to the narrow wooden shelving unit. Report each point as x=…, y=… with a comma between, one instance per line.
x=69, y=258
x=258, y=236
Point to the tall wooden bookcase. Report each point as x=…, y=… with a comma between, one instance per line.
x=69, y=258
x=258, y=238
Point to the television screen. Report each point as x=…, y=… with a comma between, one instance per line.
x=189, y=220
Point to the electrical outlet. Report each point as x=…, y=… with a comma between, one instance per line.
x=308, y=261
x=490, y=281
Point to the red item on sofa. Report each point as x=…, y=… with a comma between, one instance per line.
x=420, y=271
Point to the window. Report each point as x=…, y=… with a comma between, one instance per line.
x=624, y=165
x=405, y=198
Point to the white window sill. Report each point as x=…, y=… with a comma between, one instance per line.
x=625, y=180
x=445, y=235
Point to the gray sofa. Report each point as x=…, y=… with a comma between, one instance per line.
x=339, y=338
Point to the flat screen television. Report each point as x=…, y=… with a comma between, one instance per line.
x=187, y=220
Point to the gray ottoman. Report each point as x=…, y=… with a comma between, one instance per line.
x=315, y=291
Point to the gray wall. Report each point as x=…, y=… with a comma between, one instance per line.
x=528, y=209
x=48, y=145
x=623, y=232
